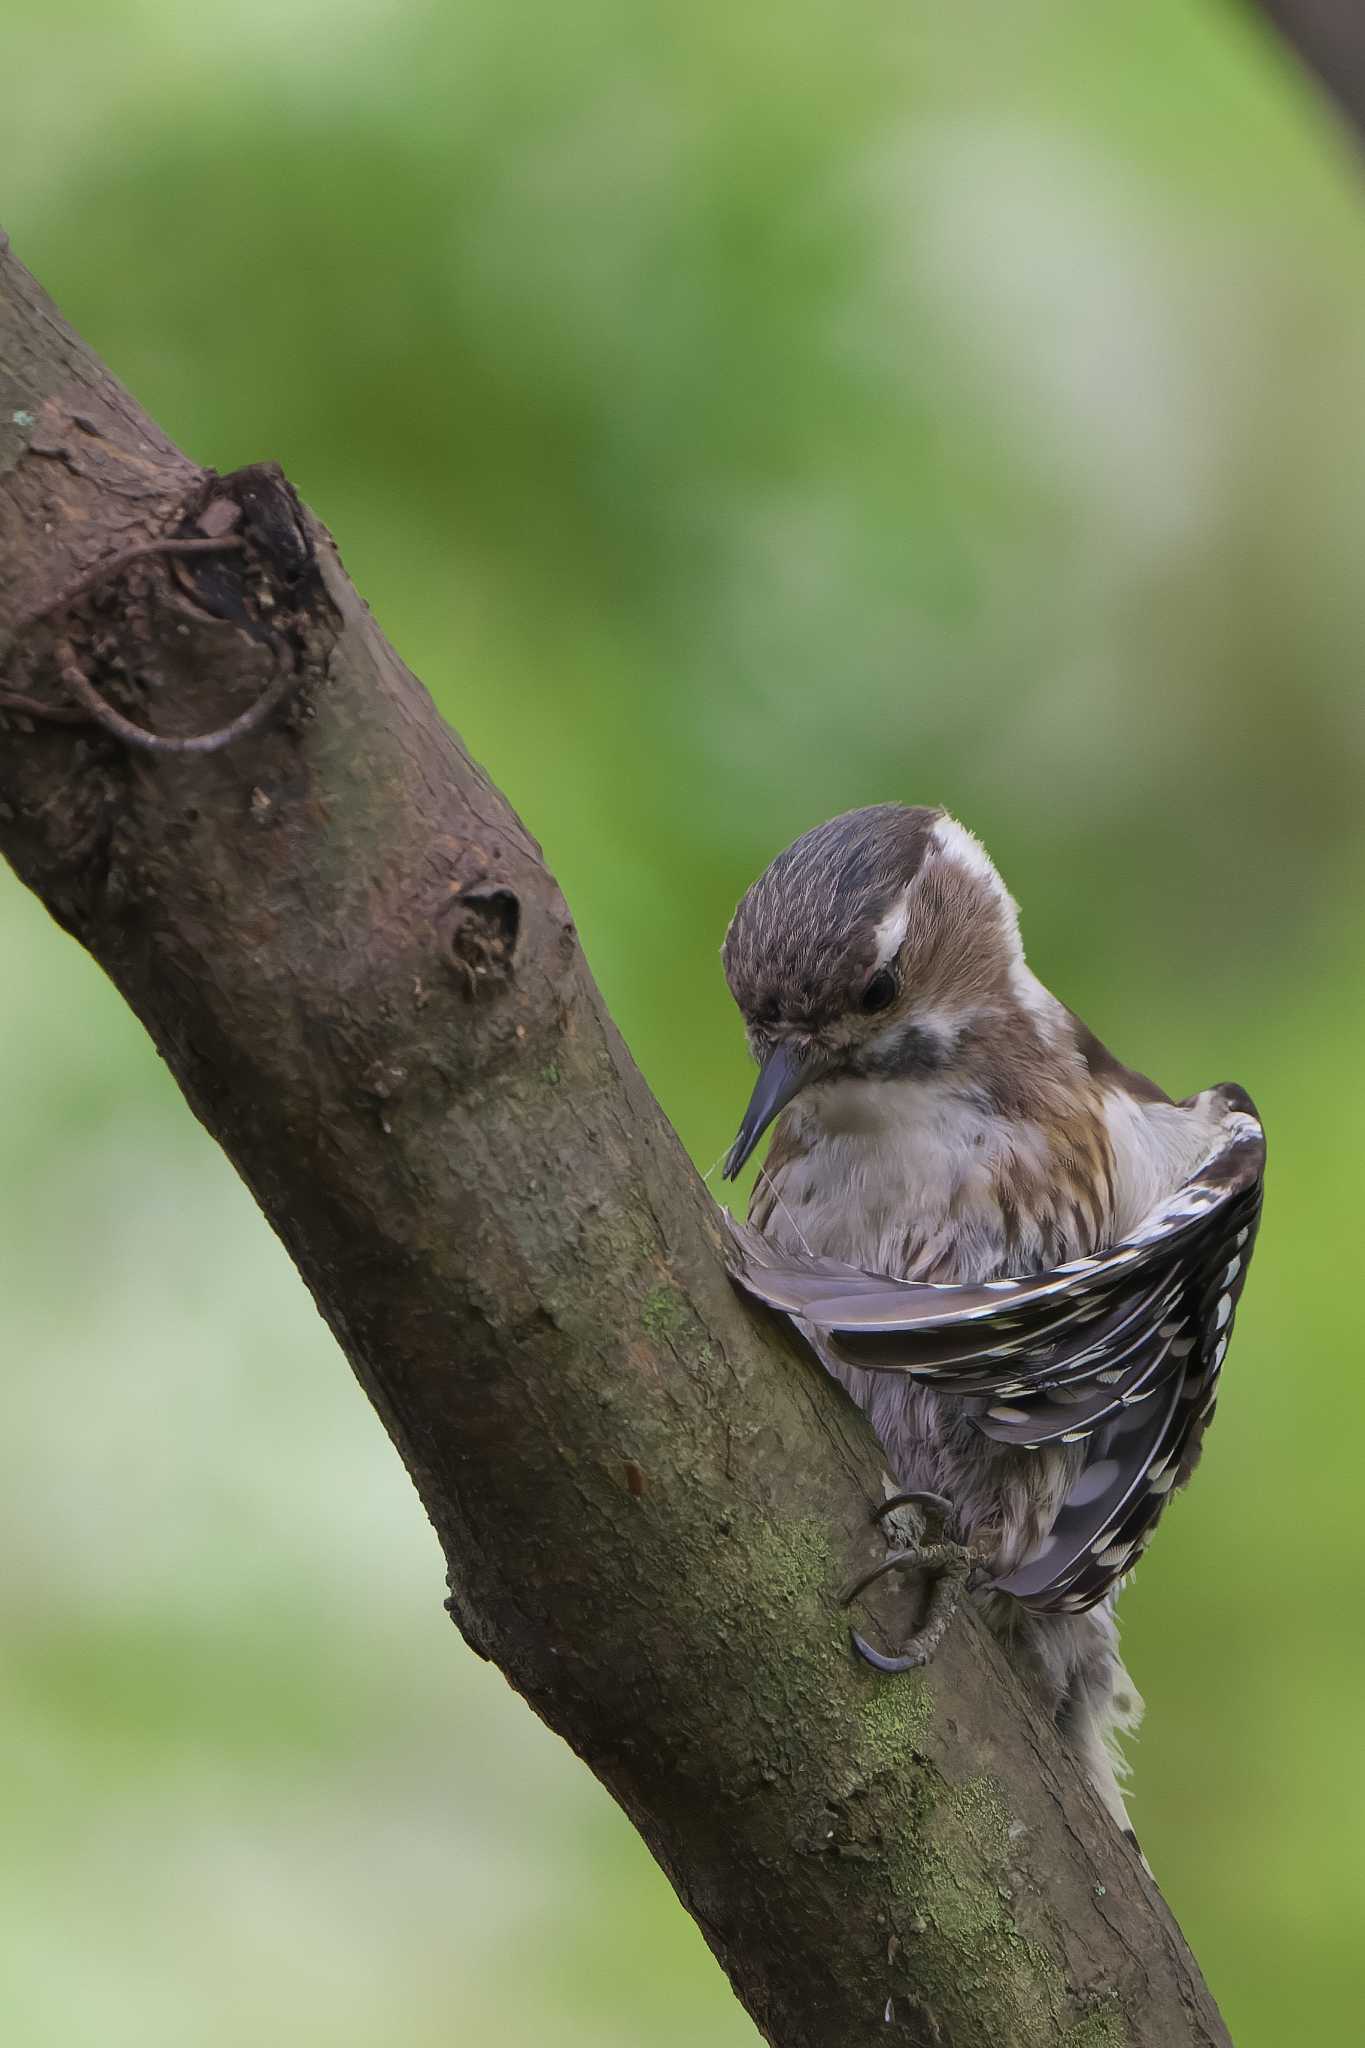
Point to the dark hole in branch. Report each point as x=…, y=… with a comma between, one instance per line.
x=483, y=941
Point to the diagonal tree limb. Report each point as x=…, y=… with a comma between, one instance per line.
x=351, y=956
x=1328, y=36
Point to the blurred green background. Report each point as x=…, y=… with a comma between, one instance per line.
x=734, y=414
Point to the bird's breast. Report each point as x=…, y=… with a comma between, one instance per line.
x=922, y=1181
x=909, y=1178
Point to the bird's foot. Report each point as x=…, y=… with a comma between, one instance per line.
x=948, y=1566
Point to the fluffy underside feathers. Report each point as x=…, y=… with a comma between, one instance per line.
x=1119, y=1351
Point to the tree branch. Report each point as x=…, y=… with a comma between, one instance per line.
x=352, y=957
x=1329, y=38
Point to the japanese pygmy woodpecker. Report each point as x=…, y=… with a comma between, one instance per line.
x=1074, y=1241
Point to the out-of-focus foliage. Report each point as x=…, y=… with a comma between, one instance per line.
x=734, y=414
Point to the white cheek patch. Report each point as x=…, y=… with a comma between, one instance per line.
x=945, y=1027
x=890, y=933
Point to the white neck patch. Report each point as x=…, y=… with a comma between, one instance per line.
x=956, y=843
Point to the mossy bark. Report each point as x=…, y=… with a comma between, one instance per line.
x=354, y=961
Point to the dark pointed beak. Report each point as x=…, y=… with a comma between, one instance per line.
x=780, y=1077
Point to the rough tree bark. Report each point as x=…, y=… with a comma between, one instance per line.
x=350, y=954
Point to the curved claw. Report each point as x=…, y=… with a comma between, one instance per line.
x=950, y=1565
x=912, y=1660
x=945, y=1560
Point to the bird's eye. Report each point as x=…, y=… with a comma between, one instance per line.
x=880, y=991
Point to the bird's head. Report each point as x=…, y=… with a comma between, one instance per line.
x=871, y=949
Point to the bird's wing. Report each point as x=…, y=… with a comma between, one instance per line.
x=1119, y=1351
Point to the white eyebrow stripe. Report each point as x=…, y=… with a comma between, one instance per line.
x=890, y=933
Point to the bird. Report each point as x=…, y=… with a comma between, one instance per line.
x=1021, y=1257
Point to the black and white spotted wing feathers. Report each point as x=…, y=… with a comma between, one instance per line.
x=1119, y=1351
